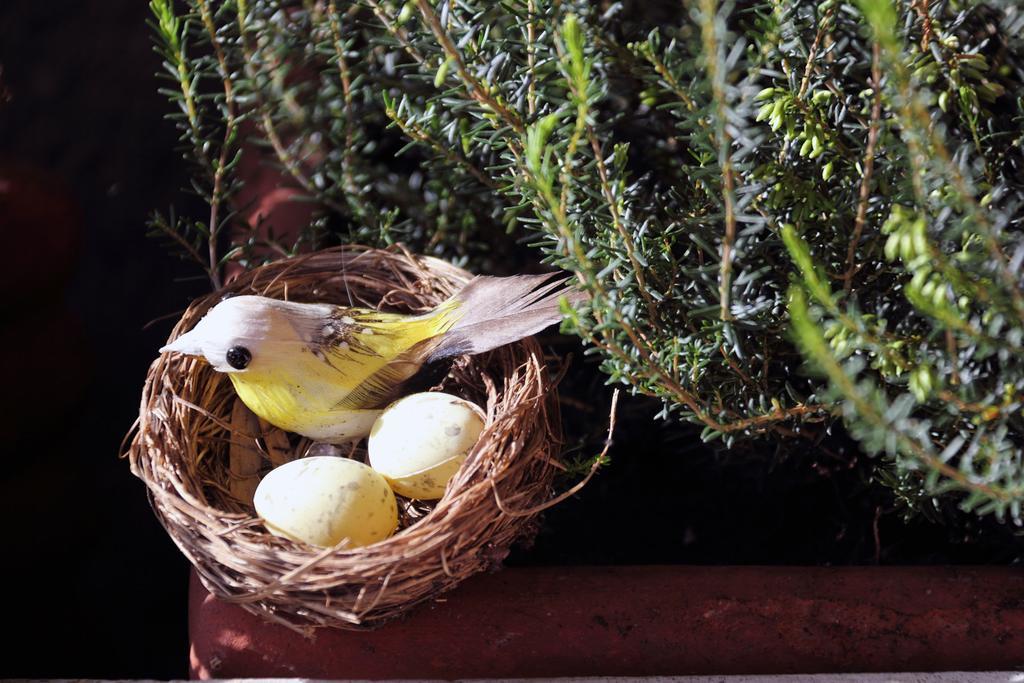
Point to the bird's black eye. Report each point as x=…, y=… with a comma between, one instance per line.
x=239, y=357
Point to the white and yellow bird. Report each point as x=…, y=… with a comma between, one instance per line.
x=326, y=371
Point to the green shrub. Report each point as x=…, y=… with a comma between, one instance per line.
x=784, y=212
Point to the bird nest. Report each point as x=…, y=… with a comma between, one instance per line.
x=200, y=452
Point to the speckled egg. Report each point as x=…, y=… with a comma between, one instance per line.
x=322, y=500
x=419, y=442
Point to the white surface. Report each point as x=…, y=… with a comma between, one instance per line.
x=944, y=677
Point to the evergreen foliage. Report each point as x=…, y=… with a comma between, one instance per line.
x=784, y=211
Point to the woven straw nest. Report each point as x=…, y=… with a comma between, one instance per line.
x=195, y=447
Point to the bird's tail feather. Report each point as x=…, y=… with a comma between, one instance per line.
x=494, y=311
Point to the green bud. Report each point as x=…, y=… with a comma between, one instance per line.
x=921, y=382
x=892, y=245
x=406, y=13
x=975, y=61
x=821, y=96
x=779, y=108
x=906, y=245
x=990, y=91
x=442, y=72
x=919, y=237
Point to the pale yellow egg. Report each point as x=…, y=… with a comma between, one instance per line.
x=419, y=442
x=322, y=500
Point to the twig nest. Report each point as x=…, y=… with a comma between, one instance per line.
x=200, y=455
x=419, y=442
x=326, y=501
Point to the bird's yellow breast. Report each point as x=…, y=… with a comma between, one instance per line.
x=294, y=394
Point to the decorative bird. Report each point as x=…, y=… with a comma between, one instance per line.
x=326, y=371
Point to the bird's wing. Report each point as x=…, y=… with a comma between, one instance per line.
x=390, y=380
x=377, y=352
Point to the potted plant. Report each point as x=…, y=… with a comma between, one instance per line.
x=798, y=223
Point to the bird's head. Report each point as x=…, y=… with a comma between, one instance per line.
x=243, y=334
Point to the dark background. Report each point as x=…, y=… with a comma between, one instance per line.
x=93, y=586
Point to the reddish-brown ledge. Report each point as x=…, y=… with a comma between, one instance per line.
x=651, y=620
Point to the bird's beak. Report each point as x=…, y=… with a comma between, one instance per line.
x=188, y=343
